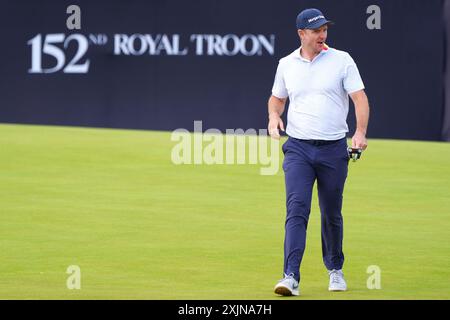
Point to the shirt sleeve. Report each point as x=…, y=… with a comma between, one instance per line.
x=352, y=78
x=279, y=87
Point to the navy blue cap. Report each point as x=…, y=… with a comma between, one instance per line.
x=311, y=19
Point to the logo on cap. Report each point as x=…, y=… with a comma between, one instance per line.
x=316, y=18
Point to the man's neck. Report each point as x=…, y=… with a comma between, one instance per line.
x=308, y=54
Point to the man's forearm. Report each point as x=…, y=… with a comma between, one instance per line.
x=276, y=106
x=362, y=111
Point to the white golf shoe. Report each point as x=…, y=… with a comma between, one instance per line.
x=287, y=286
x=337, y=282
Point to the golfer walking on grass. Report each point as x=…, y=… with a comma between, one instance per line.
x=318, y=81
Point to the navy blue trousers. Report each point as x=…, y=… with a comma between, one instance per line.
x=303, y=164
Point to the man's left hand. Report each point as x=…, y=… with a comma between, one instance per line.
x=359, y=141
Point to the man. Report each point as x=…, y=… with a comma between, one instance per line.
x=318, y=81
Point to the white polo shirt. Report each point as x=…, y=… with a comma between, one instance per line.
x=318, y=93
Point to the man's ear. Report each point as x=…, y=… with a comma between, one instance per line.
x=300, y=33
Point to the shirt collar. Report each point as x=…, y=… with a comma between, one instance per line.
x=296, y=54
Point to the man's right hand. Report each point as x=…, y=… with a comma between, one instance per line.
x=275, y=123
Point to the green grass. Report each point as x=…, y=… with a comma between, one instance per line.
x=140, y=227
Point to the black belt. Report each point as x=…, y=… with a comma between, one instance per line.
x=319, y=143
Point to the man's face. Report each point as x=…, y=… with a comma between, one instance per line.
x=314, y=39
